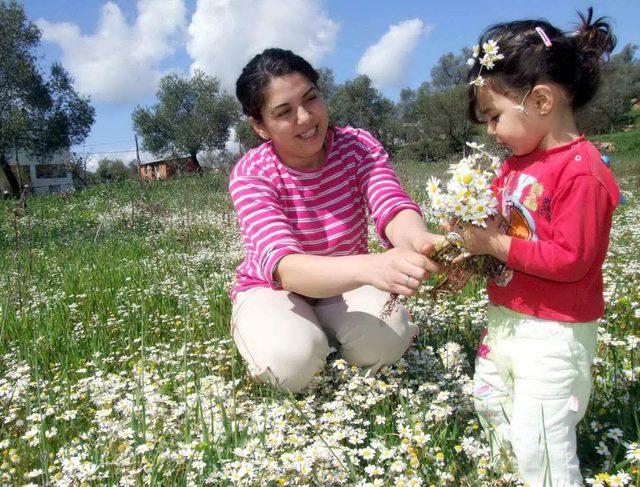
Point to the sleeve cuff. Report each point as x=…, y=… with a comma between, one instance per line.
x=272, y=262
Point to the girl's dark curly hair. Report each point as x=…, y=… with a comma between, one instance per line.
x=573, y=60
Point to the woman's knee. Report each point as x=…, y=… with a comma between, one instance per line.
x=372, y=340
x=292, y=366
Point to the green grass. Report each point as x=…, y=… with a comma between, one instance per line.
x=116, y=364
x=626, y=156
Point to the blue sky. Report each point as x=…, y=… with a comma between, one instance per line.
x=117, y=50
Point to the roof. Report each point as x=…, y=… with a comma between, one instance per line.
x=172, y=159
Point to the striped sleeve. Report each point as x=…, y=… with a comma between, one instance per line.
x=266, y=231
x=378, y=183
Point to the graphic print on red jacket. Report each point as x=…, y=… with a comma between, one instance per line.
x=559, y=204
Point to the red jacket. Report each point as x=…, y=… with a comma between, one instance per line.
x=560, y=204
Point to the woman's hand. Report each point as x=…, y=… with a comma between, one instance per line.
x=408, y=231
x=398, y=271
x=424, y=243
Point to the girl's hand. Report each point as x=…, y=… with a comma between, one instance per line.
x=478, y=240
x=486, y=241
x=398, y=271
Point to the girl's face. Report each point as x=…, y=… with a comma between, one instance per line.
x=295, y=118
x=521, y=132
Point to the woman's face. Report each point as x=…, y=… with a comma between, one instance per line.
x=295, y=118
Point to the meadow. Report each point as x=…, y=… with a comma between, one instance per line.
x=116, y=365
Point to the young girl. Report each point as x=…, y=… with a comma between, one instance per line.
x=533, y=370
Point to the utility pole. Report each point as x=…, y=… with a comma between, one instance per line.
x=23, y=189
x=15, y=150
x=138, y=159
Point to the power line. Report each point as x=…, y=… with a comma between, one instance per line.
x=107, y=143
x=106, y=151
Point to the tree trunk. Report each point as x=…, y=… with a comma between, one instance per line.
x=76, y=174
x=195, y=161
x=11, y=178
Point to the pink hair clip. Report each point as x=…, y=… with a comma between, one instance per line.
x=543, y=35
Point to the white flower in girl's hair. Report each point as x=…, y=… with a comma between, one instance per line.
x=490, y=47
x=477, y=81
x=487, y=61
x=471, y=61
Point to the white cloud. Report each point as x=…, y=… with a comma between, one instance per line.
x=120, y=62
x=225, y=34
x=385, y=62
x=92, y=158
x=232, y=144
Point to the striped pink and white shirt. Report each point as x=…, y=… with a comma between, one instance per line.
x=283, y=211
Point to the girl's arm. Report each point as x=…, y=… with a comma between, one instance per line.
x=581, y=220
x=487, y=241
x=581, y=217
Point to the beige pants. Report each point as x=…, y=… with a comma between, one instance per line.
x=285, y=337
x=531, y=388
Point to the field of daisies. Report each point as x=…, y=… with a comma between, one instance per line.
x=116, y=365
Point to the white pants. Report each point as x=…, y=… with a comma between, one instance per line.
x=531, y=388
x=284, y=337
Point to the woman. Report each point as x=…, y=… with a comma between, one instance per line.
x=301, y=199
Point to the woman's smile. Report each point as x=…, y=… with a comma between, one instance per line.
x=309, y=134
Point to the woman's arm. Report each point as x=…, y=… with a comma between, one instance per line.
x=396, y=217
x=407, y=230
x=320, y=276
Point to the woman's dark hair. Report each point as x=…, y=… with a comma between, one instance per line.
x=573, y=60
x=257, y=74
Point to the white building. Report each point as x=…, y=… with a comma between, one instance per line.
x=43, y=176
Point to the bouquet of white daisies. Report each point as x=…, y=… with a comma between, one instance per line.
x=465, y=199
x=467, y=196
